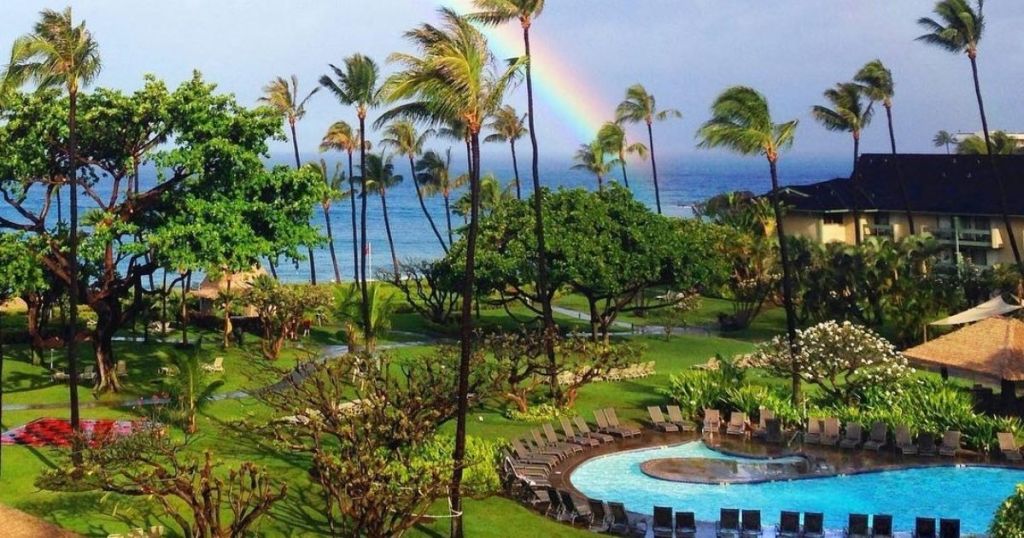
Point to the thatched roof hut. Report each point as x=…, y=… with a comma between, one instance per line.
x=992, y=348
x=239, y=282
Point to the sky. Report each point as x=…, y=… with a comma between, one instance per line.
x=684, y=51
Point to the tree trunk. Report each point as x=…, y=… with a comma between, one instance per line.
x=595, y=319
x=364, y=290
x=622, y=164
x=330, y=242
x=654, y=167
x=298, y=165
x=858, y=231
x=1, y=389
x=185, y=281
x=423, y=205
x=355, y=228
x=515, y=170
x=273, y=267
x=899, y=172
x=787, y=282
x=103, y=346
x=227, y=314
x=448, y=217
x=387, y=230
x=72, y=327
x=466, y=336
x=600, y=183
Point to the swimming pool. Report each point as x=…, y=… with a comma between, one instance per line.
x=968, y=493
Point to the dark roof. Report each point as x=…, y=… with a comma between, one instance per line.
x=951, y=184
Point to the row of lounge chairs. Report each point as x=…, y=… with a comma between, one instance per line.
x=826, y=432
x=548, y=447
x=675, y=421
x=633, y=371
x=739, y=422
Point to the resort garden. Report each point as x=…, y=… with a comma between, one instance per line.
x=157, y=381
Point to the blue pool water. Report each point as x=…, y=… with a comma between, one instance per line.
x=968, y=493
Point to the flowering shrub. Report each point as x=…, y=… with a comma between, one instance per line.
x=844, y=360
x=1009, y=520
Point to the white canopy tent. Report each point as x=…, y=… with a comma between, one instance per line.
x=989, y=309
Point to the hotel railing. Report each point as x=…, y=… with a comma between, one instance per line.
x=966, y=237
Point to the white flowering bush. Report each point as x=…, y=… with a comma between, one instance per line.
x=844, y=360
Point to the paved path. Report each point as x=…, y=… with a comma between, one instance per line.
x=634, y=329
x=18, y=524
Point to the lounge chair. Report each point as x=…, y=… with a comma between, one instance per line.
x=216, y=366
x=598, y=515
x=852, y=439
x=573, y=508
x=814, y=525
x=728, y=525
x=751, y=523
x=858, y=526
x=620, y=521
x=1008, y=446
x=659, y=422
x=830, y=435
x=904, y=442
x=789, y=525
x=675, y=415
x=881, y=526
x=950, y=443
x=571, y=436
x=949, y=528
x=122, y=369
x=613, y=421
x=926, y=445
x=89, y=374
x=737, y=424
x=774, y=431
x=525, y=455
x=662, y=522
x=555, y=508
x=603, y=426
x=877, y=437
x=924, y=527
x=525, y=468
x=553, y=438
x=813, y=434
x=686, y=525
x=584, y=429
x=763, y=416
x=712, y=421
x=562, y=450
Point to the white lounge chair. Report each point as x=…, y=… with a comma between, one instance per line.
x=216, y=366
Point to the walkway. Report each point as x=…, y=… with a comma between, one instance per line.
x=18, y=524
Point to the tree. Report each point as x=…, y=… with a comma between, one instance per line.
x=348, y=307
x=844, y=360
x=508, y=126
x=741, y=121
x=455, y=77
x=191, y=388
x=282, y=310
x=877, y=83
x=358, y=85
x=848, y=113
x=332, y=191
x=959, y=29
x=282, y=95
x=401, y=136
x=613, y=138
x=379, y=176
x=434, y=173
x=340, y=137
x=641, y=107
x=431, y=288
x=492, y=195
x=590, y=158
x=1009, y=519
x=944, y=138
x=1000, y=144
x=150, y=464
x=60, y=54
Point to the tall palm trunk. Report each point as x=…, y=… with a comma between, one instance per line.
x=364, y=290
x=273, y=267
x=387, y=229
x=858, y=232
x=622, y=164
x=654, y=166
x=538, y=216
x=600, y=183
x=466, y=335
x=995, y=169
x=71, y=329
x=787, y=281
x=355, y=228
x=298, y=165
x=330, y=241
x=899, y=170
x=448, y=216
x=515, y=170
x=423, y=205
x=186, y=281
x=1, y=390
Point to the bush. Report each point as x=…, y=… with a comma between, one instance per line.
x=696, y=390
x=539, y=413
x=1009, y=519
x=480, y=476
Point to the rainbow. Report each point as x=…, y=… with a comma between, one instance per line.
x=558, y=84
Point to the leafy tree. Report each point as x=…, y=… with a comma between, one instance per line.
x=741, y=121
x=430, y=288
x=944, y=138
x=492, y=195
x=191, y=388
x=348, y=307
x=641, y=107
x=1001, y=144
x=282, y=95
x=379, y=175
x=613, y=138
x=590, y=158
x=434, y=173
x=402, y=137
x=753, y=278
x=281, y=310
x=508, y=126
x=203, y=502
x=340, y=137
x=332, y=192
x=60, y=54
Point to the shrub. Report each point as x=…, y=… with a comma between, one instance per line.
x=538, y=413
x=480, y=476
x=695, y=390
x=1009, y=518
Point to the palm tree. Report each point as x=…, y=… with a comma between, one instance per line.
x=340, y=137
x=876, y=81
x=848, y=113
x=401, y=136
x=508, y=126
x=434, y=174
x=613, y=138
x=741, y=121
x=333, y=192
x=379, y=176
x=59, y=53
x=590, y=158
x=959, y=29
x=492, y=194
x=455, y=77
x=1001, y=144
x=282, y=95
x=641, y=107
x=944, y=138
x=358, y=85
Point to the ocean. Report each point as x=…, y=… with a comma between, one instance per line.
x=684, y=181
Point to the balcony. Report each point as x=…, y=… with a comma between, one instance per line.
x=966, y=237
x=879, y=230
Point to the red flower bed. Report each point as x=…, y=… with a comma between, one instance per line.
x=57, y=432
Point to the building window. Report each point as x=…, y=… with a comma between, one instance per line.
x=881, y=219
x=833, y=218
